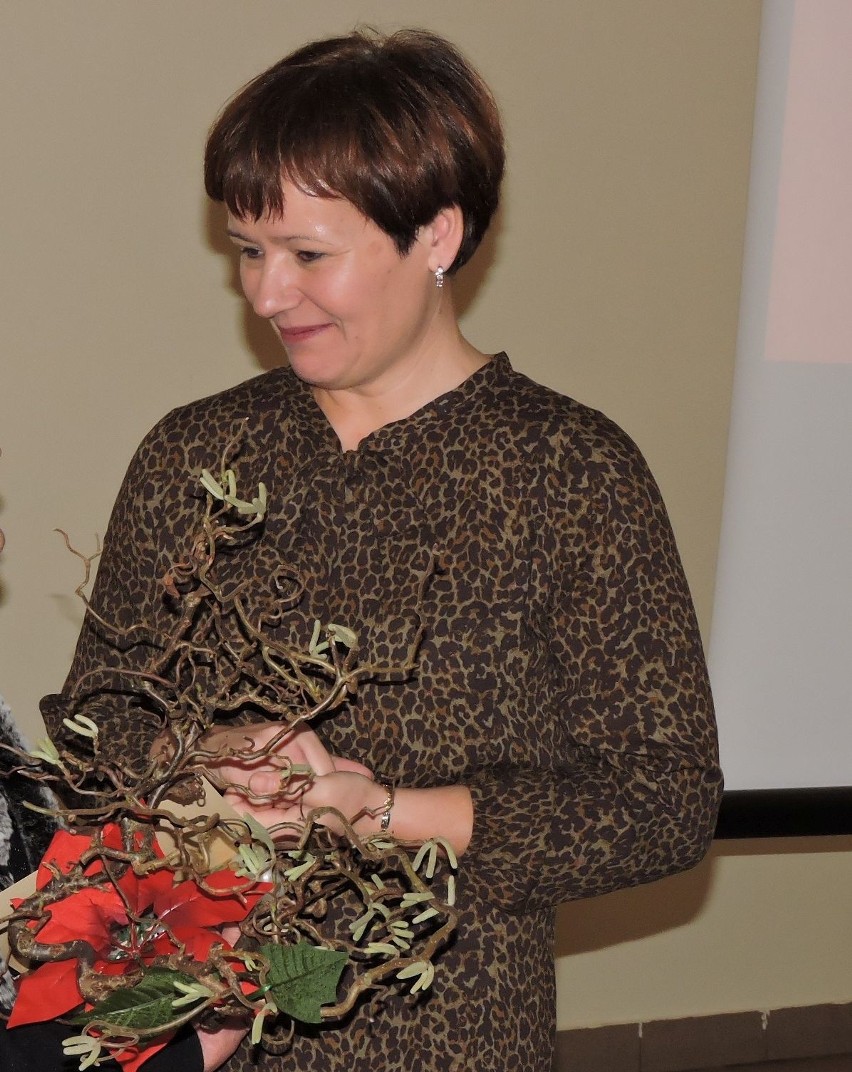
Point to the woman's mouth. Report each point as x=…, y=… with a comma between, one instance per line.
x=292, y=336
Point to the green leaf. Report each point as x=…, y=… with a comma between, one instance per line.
x=82, y=724
x=375, y=949
x=257, y=1026
x=341, y=634
x=295, y=873
x=146, y=1005
x=359, y=925
x=46, y=752
x=425, y=972
x=315, y=647
x=212, y=485
x=416, y=897
x=303, y=977
x=256, y=861
x=86, y=1047
x=449, y=850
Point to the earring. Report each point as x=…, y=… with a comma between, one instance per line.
x=439, y=277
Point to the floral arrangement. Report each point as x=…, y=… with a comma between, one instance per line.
x=156, y=904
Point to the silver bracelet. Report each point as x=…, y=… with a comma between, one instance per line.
x=385, y=812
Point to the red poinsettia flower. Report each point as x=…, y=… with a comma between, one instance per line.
x=66, y=849
x=164, y=917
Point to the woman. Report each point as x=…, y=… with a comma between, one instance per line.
x=558, y=727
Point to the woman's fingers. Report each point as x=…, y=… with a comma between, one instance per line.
x=267, y=815
x=311, y=748
x=351, y=765
x=263, y=741
x=219, y=1043
x=268, y=781
x=265, y=758
x=254, y=739
x=348, y=791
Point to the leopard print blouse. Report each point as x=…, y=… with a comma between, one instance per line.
x=561, y=674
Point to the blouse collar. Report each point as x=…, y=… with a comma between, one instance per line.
x=396, y=434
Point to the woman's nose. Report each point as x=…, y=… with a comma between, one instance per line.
x=273, y=291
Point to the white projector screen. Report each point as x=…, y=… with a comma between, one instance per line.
x=781, y=643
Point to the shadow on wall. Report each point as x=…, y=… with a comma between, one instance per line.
x=259, y=338
x=623, y=916
x=626, y=915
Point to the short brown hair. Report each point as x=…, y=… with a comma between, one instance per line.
x=401, y=126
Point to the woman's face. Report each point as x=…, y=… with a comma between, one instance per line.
x=351, y=312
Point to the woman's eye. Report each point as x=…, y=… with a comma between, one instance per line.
x=251, y=253
x=308, y=256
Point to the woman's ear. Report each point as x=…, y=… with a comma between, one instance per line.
x=443, y=237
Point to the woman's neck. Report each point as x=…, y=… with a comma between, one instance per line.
x=354, y=413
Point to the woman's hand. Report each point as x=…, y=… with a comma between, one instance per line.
x=217, y=1044
x=343, y=784
x=267, y=787
x=360, y=799
x=268, y=773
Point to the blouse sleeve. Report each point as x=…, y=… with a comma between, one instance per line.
x=636, y=793
x=141, y=540
x=39, y=1046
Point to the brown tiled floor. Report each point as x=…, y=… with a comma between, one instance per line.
x=781, y=1040
x=840, y=1063
x=616, y=1060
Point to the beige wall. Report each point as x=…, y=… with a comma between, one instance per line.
x=758, y=925
x=614, y=277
